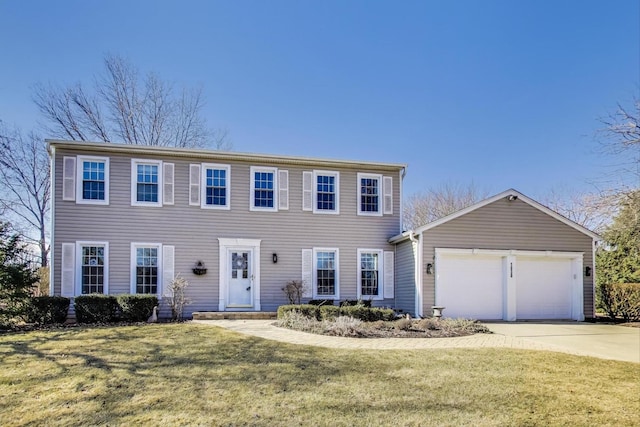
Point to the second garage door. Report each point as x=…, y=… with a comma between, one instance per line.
x=494, y=286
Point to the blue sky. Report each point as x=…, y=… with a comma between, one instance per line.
x=502, y=93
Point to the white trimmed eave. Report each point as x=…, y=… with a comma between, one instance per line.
x=218, y=156
x=507, y=193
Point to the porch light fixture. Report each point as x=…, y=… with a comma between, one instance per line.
x=587, y=271
x=274, y=257
x=429, y=268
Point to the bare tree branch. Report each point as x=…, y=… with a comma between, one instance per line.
x=25, y=189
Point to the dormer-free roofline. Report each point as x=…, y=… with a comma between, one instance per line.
x=512, y=195
x=218, y=155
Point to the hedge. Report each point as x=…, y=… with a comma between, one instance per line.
x=327, y=312
x=96, y=308
x=621, y=300
x=47, y=309
x=308, y=310
x=136, y=308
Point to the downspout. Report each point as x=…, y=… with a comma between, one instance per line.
x=52, y=205
x=417, y=273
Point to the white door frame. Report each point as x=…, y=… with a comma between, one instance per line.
x=225, y=245
x=510, y=283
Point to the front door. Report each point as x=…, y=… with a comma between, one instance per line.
x=240, y=272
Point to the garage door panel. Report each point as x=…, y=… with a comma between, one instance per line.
x=544, y=288
x=470, y=286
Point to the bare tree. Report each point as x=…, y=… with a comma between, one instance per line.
x=436, y=202
x=122, y=106
x=25, y=185
x=594, y=210
x=620, y=138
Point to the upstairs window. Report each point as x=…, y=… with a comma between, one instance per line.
x=263, y=189
x=216, y=185
x=369, y=192
x=146, y=182
x=93, y=180
x=326, y=192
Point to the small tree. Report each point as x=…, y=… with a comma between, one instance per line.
x=176, y=298
x=294, y=290
x=16, y=276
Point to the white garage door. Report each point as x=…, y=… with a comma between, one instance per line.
x=470, y=286
x=543, y=288
x=478, y=285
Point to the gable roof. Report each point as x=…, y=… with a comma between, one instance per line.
x=485, y=202
x=109, y=147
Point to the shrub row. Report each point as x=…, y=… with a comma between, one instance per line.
x=98, y=308
x=621, y=300
x=46, y=309
x=327, y=312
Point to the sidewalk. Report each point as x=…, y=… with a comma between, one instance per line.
x=265, y=329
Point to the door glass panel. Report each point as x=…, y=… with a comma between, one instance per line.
x=239, y=265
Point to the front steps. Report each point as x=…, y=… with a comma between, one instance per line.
x=234, y=315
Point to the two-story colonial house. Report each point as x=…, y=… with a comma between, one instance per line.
x=128, y=219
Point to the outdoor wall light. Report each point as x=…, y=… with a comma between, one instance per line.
x=274, y=257
x=429, y=268
x=587, y=271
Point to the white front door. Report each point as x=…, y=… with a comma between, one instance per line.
x=240, y=272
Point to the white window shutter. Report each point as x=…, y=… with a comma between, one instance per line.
x=168, y=265
x=283, y=189
x=168, y=184
x=69, y=178
x=387, y=191
x=68, y=270
x=307, y=191
x=389, y=274
x=307, y=273
x=194, y=185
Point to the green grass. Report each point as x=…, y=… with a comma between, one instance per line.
x=186, y=374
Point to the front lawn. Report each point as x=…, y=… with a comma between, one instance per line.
x=188, y=374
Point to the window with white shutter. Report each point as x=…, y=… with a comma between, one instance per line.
x=68, y=273
x=69, y=179
x=283, y=189
x=307, y=273
x=168, y=170
x=389, y=274
x=194, y=185
x=307, y=191
x=387, y=188
x=168, y=265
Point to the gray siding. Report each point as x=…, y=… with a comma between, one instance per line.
x=406, y=256
x=507, y=225
x=194, y=231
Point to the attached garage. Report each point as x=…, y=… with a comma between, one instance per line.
x=505, y=258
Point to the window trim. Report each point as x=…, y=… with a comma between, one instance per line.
x=252, y=172
x=134, y=182
x=78, y=265
x=203, y=185
x=79, y=181
x=380, y=254
x=362, y=176
x=314, y=272
x=336, y=175
x=133, y=265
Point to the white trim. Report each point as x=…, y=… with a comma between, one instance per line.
x=401, y=202
x=168, y=185
x=194, y=184
x=79, y=180
x=314, y=270
x=387, y=195
x=52, y=174
x=380, y=254
x=283, y=189
x=507, y=252
x=134, y=182
x=69, y=168
x=252, y=180
x=419, y=278
x=593, y=278
x=203, y=185
x=360, y=177
x=224, y=246
x=78, y=264
x=133, y=265
x=336, y=175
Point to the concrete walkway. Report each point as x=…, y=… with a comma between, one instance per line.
x=515, y=335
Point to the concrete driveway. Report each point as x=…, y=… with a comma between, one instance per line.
x=590, y=339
